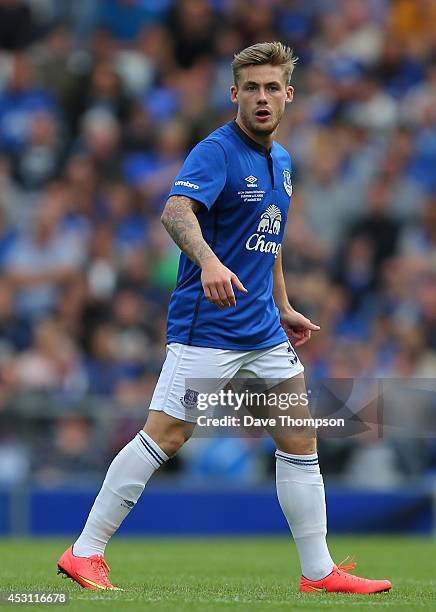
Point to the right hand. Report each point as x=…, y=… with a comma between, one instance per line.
x=217, y=283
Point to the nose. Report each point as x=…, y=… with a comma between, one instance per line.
x=262, y=96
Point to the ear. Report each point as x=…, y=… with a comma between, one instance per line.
x=289, y=94
x=234, y=94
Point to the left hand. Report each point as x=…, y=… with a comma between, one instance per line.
x=297, y=327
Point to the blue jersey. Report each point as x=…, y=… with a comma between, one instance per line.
x=245, y=190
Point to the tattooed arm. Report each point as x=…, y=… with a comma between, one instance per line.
x=180, y=221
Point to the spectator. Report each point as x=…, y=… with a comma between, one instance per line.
x=41, y=259
x=19, y=103
x=7, y=235
x=191, y=25
x=52, y=364
x=377, y=225
x=40, y=159
x=74, y=451
x=17, y=27
x=15, y=331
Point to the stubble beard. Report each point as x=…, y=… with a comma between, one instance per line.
x=257, y=128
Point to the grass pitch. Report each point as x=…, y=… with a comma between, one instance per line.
x=180, y=575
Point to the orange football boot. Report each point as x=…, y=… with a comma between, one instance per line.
x=339, y=581
x=90, y=572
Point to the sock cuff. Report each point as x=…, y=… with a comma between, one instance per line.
x=304, y=462
x=152, y=450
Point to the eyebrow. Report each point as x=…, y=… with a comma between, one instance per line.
x=255, y=83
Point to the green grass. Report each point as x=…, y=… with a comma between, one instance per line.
x=180, y=575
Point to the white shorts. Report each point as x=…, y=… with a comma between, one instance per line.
x=190, y=370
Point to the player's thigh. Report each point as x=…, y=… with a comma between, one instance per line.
x=189, y=375
x=281, y=398
x=292, y=429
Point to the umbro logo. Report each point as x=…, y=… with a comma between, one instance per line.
x=128, y=503
x=251, y=181
x=186, y=184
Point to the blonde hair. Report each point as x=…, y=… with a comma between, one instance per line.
x=274, y=53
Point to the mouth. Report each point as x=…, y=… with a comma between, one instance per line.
x=263, y=114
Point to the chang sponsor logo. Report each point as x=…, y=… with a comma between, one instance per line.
x=257, y=242
x=269, y=223
x=270, y=220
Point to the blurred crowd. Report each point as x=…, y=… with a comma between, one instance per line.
x=100, y=101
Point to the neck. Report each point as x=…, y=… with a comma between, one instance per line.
x=266, y=140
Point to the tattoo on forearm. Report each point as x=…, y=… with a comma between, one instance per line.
x=181, y=223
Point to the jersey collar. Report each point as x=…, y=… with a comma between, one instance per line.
x=246, y=138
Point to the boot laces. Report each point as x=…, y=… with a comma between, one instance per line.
x=344, y=566
x=102, y=568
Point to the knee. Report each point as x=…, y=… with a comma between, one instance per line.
x=173, y=439
x=170, y=436
x=297, y=446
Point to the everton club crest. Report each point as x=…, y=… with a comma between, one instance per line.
x=189, y=400
x=287, y=182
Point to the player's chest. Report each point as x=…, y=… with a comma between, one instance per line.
x=256, y=198
x=258, y=180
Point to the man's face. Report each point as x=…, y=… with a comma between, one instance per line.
x=261, y=95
